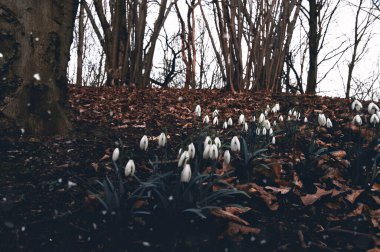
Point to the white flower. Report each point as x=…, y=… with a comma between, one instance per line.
x=258, y=131
x=372, y=108
x=305, y=120
x=235, y=144
x=183, y=159
x=266, y=113
x=198, y=110
x=206, y=151
x=207, y=141
x=273, y=140
x=290, y=112
x=130, y=168
x=358, y=120
x=225, y=125
x=206, y=119
x=245, y=127
x=37, y=76
x=179, y=152
x=281, y=118
x=215, y=113
x=357, y=105
x=271, y=132
x=229, y=121
x=241, y=119
x=274, y=123
x=329, y=123
x=227, y=157
x=254, y=118
x=191, y=150
x=277, y=106
x=264, y=131
x=215, y=121
x=289, y=118
x=266, y=124
x=115, y=154
x=71, y=184
x=261, y=118
x=321, y=120
x=162, y=140
x=374, y=119
x=1, y=55
x=295, y=113
x=22, y=131
x=213, y=152
x=217, y=142
x=186, y=174
x=144, y=143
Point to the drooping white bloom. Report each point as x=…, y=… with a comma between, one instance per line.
x=144, y=143
x=215, y=121
x=356, y=105
x=254, y=118
x=115, y=154
x=213, y=152
x=206, y=119
x=225, y=125
x=274, y=123
x=198, y=111
x=329, y=123
x=185, y=156
x=241, y=119
x=266, y=124
x=321, y=119
x=373, y=108
x=261, y=118
x=258, y=131
x=130, y=168
x=357, y=120
x=207, y=141
x=186, y=174
x=227, y=157
x=206, y=151
x=273, y=140
x=264, y=131
x=1, y=55
x=162, y=140
x=281, y=118
x=229, y=121
x=305, y=120
x=235, y=144
x=217, y=142
x=271, y=132
x=277, y=106
x=374, y=119
x=245, y=127
x=215, y=113
x=37, y=76
x=290, y=112
x=191, y=150
x=295, y=113
x=22, y=131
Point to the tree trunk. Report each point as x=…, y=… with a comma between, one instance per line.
x=313, y=48
x=80, y=45
x=40, y=33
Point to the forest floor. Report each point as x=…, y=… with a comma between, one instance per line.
x=45, y=182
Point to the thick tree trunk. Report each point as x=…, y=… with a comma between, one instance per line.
x=39, y=34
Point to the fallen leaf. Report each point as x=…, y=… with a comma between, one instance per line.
x=354, y=195
x=236, y=231
x=309, y=199
x=276, y=189
x=224, y=214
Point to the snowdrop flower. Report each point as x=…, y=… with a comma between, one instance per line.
x=241, y=119
x=1, y=55
x=305, y=120
x=22, y=131
x=281, y=118
x=267, y=107
x=206, y=151
x=261, y=118
x=266, y=124
x=235, y=144
x=289, y=118
x=186, y=174
x=358, y=120
x=277, y=106
x=183, y=159
x=258, y=131
x=213, y=152
x=329, y=123
x=295, y=113
x=271, y=132
x=273, y=140
x=274, y=123
x=215, y=113
x=115, y=154
x=229, y=121
x=130, y=168
x=198, y=110
x=71, y=184
x=206, y=119
x=225, y=125
x=264, y=131
x=217, y=142
x=215, y=121
x=162, y=140
x=191, y=150
x=245, y=127
x=372, y=108
x=374, y=119
x=290, y=112
x=37, y=76
x=227, y=157
x=207, y=141
x=321, y=120
x=144, y=143
x=266, y=113
x=356, y=105
x=254, y=118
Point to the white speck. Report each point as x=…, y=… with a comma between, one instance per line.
x=146, y=244
x=49, y=112
x=265, y=181
x=60, y=180
x=1, y=55
x=89, y=238
x=170, y=197
x=4, y=199
x=37, y=39
x=263, y=242
x=71, y=184
x=104, y=212
x=50, y=239
x=253, y=238
x=79, y=237
x=23, y=228
x=37, y=76
x=28, y=104
x=192, y=221
x=94, y=225
x=111, y=113
x=180, y=98
x=4, y=78
x=151, y=229
x=22, y=131
x=226, y=250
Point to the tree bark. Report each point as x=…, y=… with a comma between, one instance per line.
x=40, y=34
x=313, y=48
x=80, y=45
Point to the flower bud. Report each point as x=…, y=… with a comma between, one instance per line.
x=115, y=154
x=207, y=141
x=241, y=119
x=183, y=159
x=374, y=119
x=144, y=143
x=213, y=152
x=227, y=157
x=215, y=121
x=130, y=168
x=230, y=121
x=217, y=142
x=329, y=123
x=357, y=120
x=206, y=151
x=198, y=110
x=225, y=125
x=206, y=119
x=191, y=150
x=235, y=144
x=162, y=140
x=186, y=174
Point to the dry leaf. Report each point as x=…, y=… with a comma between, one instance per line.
x=354, y=195
x=236, y=231
x=309, y=199
x=276, y=189
x=224, y=214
